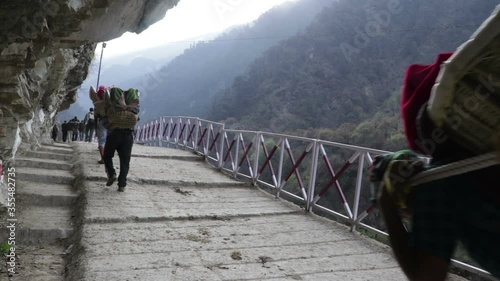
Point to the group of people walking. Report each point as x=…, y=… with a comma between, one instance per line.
x=76, y=130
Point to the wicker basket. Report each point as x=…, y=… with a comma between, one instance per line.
x=120, y=116
x=122, y=119
x=465, y=100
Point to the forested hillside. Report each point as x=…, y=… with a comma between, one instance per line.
x=341, y=78
x=185, y=85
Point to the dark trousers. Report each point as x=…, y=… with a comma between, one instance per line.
x=120, y=141
x=89, y=132
x=65, y=136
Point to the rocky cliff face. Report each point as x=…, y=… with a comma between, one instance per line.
x=46, y=47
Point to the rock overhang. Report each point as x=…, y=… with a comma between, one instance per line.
x=46, y=48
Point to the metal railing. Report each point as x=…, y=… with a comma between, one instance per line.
x=301, y=169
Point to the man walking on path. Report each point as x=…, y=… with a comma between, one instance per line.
x=122, y=113
x=81, y=131
x=55, y=130
x=74, y=128
x=89, y=125
x=121, y=141
x=65, y=129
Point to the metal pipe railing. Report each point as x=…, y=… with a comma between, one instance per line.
x=226, y=150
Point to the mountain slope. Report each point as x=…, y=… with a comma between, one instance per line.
x=345, y=66
x=185, y=85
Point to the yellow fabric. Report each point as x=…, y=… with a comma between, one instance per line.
x=401, y=167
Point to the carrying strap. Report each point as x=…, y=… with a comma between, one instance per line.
x=456, y=168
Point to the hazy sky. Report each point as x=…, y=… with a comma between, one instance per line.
x=191, y=18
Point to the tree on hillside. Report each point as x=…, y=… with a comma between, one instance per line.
x=347, y=67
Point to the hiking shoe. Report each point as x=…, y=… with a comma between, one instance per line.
x=111, y=180
x=121, y=188
x=100, y=162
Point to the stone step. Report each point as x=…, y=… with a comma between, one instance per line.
x=42, y=224
x=55, y=149
x=38, y=262
x=51, y=164
x=44, y=175
x=170, y=157
x=48, y=155
x=59, y=145
x=44, y=194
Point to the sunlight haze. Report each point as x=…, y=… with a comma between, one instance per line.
x=190, y=19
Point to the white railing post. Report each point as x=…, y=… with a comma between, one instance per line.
x=137, y=134
x=169, y=129
x=166, y=125
x=190, y=134
x=210, y=130
x=312, y=177
x=280, y=167
x=196, y=134
x=220, y=161
x=156, y=133
x=258, y=136
x=160, y=132
x=217, y=151
x=151, y=133
x=148, y=127
x=206, y=132
x=237, y=155
x=150, y=140
x=359, y=182
x=143, y=135
x=185, y=133
x=178, y=132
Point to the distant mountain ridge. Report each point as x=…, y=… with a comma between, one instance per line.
x=185, y=86
x=341, y=78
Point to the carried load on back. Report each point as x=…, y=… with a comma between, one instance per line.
x=122, y=108
x=465, y=100
x=119, y=108
x=97, y=98
x=451, y=113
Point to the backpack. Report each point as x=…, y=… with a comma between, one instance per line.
x=122, y=108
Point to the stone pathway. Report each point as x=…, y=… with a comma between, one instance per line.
x=178, y=219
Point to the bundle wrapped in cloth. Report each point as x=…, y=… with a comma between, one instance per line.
x=465, y=100
x=97, y=98
x=451, y=113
